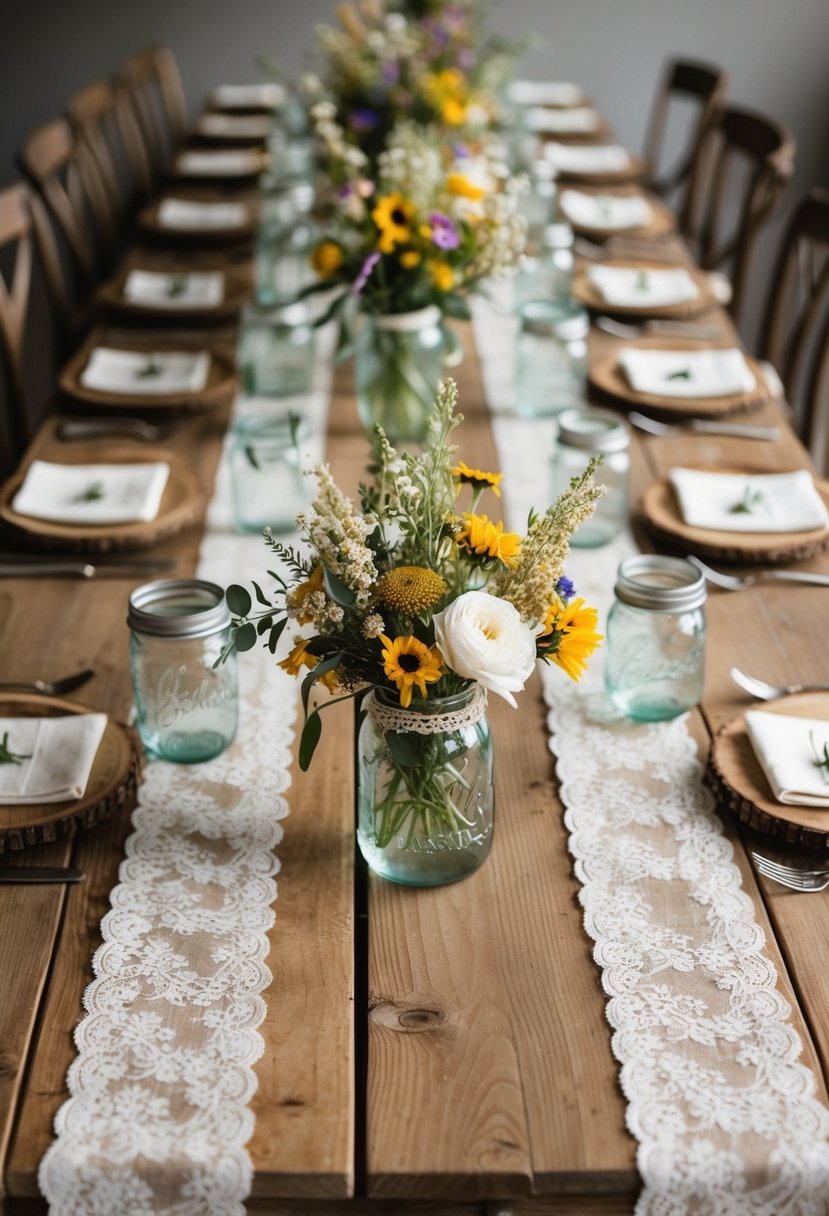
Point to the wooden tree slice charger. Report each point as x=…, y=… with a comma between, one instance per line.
x=586, y=292
x=237, y=234
x=607, y=377
x=739, y=783
x=662, y=222
x=660, y=510
x=221, y=379
x=238, y=290
x=111, y=787
x=633, y=172
x=182, y=505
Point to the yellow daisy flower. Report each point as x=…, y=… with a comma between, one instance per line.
x=327, y=259
x=477, y=478
x=393, y=216
x=481, y=537
x=453, y=112
x=298, y=657
x=576, y=625
x=410, y=589
x=407, y=661
x=460, y=185
x=442, y=274
x=410, y=259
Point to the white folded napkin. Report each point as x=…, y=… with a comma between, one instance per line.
x=219, y=164
x=788, y=750
x=629, y=287
x=587, y=159
x=578, y=120
x=248, y=96
x=187, y=214
x=234, y=126
x=60, y=755
x=687, y=373
x=150, y=374
x=191, y=289
x=92, y=493
x=606, y=212
x=749, y=502
x=544, y=93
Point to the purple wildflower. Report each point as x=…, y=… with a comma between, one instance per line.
x=444, y=233
x=390, y=71
x=460, y=151
x=345, y=191
x=466, y=59
x=363, y=120
x=565, y=589
x=365, y=272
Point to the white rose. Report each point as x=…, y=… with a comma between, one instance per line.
x=483, y=638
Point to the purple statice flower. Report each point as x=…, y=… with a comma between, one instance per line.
x=363, y=120
x=365, y=272
x=565, y=589
x=390, y=71
x=460, y=151
x=345, y=191
x=444, y=233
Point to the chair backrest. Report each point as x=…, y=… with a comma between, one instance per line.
x=795, y=332
x=64, y=172
x=705, y=87
x=16, y=229
x=152, y=82
x=744, y=163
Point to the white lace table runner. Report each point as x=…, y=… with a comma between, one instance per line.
x=158, y=1116
x=726, y=1118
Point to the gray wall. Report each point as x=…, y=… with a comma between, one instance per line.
x=775, y=50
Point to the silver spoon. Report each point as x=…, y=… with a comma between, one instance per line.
x=734, y=582
x=50, y=688
x=769, y=692
x=703, y=426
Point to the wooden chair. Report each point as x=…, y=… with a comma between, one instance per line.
x=743, y=165
x=795, y=331
x=704, y=87
x=103, y=119
x=152, y=82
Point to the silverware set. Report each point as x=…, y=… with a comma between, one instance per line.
x=770, y=692
x=703, y=426
x=49, y=688
x=70, y=430
x=793, y=877
x=59, y=567
x=655, y=326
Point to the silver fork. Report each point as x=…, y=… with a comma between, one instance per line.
x=703, y=426
x=790, y=876
x=770, y=692
x=734, y=582
x=668, y=329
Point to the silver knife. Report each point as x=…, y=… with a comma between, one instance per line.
x=27, y=874
x=72, y=568
x=737, y=430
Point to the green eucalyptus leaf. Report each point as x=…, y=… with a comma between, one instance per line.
x=246, y=637
x=275, y=634
x=264, y=625
x=238, y=600
x=406, y=748
x=321, y=646
x=336, y=589
x=320, y=670
x=310, y=738
x=261, y=597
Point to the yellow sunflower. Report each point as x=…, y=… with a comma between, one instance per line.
x=477, y=478
x=410, y=589
x=481, y=537
x=327, y=259
x=407, y=662
x=460, y=185
x=576, y=625
x=393, y=216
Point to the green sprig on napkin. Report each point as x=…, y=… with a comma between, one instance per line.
x=748, y=503
x=7, y=756
x=821, y=761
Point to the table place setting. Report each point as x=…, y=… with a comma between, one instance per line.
x=606, y=212
x=557, y=94
x=47, y=759
x=794, y=755
x=194, y=215
x=642, y=288
x=574, y=162
x=253, y=127
x=232, y=163
x=184, y=371
x=749, y=502
x=575, y=120
x=250, y=97
x=86, y=494
x=151, y=373
x=175, y=290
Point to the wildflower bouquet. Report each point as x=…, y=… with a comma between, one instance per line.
x=426, y=60
x=428, y=606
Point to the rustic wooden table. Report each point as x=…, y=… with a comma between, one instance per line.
x=441, y=1049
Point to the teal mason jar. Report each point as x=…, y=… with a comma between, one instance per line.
x=582, y=434
x=186, y=708
x=551, y=358
x=276, y=350
x=655, y=648
x=545, y=271
x=269, y=486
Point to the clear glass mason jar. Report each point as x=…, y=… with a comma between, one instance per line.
x=425, y=801
x=538, y=203
x=186, y=709
x=655, y=647
x=545, y=271
x=551, y=358
x=276, y=350
x=269, y=486
x=286, y=236
x=398, y=365
x=582, y=434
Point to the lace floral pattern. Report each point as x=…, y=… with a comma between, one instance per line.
x=158, y=1116
x=726, y=1117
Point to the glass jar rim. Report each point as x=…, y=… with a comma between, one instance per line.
x=183, y=617
x=428, y=705
x=660, y=584
x=593, y=430
x=549, y=319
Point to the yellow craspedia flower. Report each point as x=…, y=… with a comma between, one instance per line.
x=327, y=259
x=576, y=623
x=443, y=276
x=477, y=478
x=393, y=216
x=460, y=185
x=410, y=258
x=481, y=537
x=410, y=589
x=408, y=662
x=453, y=112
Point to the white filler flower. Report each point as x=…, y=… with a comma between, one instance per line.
x=483, y=638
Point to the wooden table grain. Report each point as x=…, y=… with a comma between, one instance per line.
x=440, y=1050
